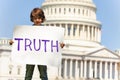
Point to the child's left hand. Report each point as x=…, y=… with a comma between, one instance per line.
x=62, y=45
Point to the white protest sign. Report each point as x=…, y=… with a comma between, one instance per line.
x=37, y=45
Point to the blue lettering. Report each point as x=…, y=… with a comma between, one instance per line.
x=56, y=46
x=45, y=41
x=19, y=39
x=28, y=44
x=39, y=43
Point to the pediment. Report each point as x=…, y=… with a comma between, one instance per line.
x=103, y=53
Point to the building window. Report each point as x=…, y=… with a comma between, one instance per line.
x=64, y=11
x=10, y=69
x=69, y=29
x=90, y=32
x=74, y=10
x=19, y=70
x=52, y=24
x=94, y=31
x=62, y=68
x=51, y=11
x=55, y=11
x=74, y=29
x=57, y=25
x=48, y=11
x=69, y=10
x=78, y=11
x=83, y=11
x=10, y=79
x=59, y=10
x=86, y=12
x=63, y=25
x=47, y=24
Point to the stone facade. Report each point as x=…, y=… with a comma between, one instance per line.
x=83, y=57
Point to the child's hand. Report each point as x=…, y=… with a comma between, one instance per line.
x=62, y=45
x=11, y=42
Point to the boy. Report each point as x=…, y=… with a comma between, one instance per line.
x=37, y=17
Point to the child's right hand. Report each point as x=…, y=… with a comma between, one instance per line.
x=11, y=42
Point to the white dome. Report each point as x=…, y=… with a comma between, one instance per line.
x=78, y=17
x=87, y=1
x=79, y=9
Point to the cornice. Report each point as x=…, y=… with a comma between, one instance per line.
x=68, y=3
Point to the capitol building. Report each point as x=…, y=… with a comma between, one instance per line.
x=83, y=57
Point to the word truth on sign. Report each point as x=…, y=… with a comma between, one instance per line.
x=37, y=44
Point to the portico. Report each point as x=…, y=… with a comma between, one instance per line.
x=90, y=66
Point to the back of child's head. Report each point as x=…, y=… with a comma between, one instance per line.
x=37, y=13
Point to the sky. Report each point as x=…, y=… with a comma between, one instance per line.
x=16, y=12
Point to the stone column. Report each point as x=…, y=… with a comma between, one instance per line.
x=65, y=68
x=60, y=25
x=71, y=67
x=95, y=70
x=90, y=69
x=85, y=66
x=116, y=71
x=59, y=72
x=106, y=70
x=81, y=68
x=100, y=71
x=49, y=11
x=96, y=34
x=99, y=35
x=66, y=31
x=111, y=70
x=76, y=69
